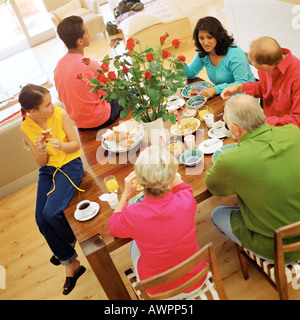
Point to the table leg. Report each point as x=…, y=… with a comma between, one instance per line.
x=99, y=259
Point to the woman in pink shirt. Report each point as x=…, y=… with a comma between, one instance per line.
x=162, y=224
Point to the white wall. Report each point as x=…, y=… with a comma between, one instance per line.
x=251, y=19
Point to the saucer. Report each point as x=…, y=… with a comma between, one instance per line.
x=212, y=135
x=175, y=106
x=93, y=213
x=215, y=144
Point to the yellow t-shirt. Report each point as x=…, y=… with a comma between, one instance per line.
x=55, y=122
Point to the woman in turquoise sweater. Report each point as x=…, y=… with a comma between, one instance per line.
x=225, y=63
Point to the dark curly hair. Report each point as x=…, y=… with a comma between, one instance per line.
x=215, y=28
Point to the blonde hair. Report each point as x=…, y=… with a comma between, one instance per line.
x=155, y=169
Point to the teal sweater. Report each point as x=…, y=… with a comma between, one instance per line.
x=264, y=171
x=233, y=68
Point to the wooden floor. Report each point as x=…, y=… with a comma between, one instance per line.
x=25, y=254
x=29, y=274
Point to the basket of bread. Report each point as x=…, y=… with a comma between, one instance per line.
x=123, y=137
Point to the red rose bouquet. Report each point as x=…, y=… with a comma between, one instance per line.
x=140, y=79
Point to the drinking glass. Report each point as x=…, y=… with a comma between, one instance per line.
x=111, y=183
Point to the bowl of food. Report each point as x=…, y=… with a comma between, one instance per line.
x=191, y=158
x=188, y=126
x=196, y=102
x=189, y=112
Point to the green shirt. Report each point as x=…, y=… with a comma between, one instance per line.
x=264, y=171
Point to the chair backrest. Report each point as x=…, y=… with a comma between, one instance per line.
x=207, y=253
x=54, y=4
x=280, y=249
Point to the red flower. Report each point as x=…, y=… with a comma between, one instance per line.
x=125, y=70
x=176, y=43
x=165, y=54
x=114, y=44
x=181, y=58
x=111, y=75
x=80, y=75
x=86, y=61
x=101, y=92
x=104, y=66
x=163, y=38
x=102, y=78
x=148, y=75
x=130, y=44
x=149, y=57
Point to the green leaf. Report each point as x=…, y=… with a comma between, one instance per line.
x=165, y=117
x=172, y=118
x=106, y=58
x=166, y=92
x=116, y=64
x=122, y=102
x=114, y=95
x=124, y=113
x=153, y=95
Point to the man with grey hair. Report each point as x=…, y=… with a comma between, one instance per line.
x=263, y=170
x=278, y=85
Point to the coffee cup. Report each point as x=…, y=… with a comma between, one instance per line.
x=112, y=200
x=173, y=101
x=190, y=141
x=209, y=119
x=218, y=128
x=84, y=209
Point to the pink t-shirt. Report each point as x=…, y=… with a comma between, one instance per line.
x=164, y=231
x=280, y=91
x=84, y=108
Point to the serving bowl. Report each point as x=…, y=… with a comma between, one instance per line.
x=191, y=158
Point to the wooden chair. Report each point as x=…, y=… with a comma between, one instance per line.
x=210, y=290
x=277, y=273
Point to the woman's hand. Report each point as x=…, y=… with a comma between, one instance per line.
x=130, y=185
x=208, y=92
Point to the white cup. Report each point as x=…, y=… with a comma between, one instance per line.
x=209, y=119
x=112, y=200
x=190, y=141
x=218, y=128
x=84, y=209
x=173, y=101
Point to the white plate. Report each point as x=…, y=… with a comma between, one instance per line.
x=115, y=146
x=93, y=213
x=215, y=144
x=175, y=106
x=212, y=135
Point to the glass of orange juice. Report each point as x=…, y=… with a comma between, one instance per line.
x=202, y=111
x=111, y=183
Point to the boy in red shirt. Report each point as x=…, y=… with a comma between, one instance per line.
x=84, y=107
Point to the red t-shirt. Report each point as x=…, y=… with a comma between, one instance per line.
x=280, y=91
x=164, y=231
x=84, y=108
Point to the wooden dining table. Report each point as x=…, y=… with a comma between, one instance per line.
x=93, y=235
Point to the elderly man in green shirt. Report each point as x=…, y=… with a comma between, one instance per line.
x=263, y=171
